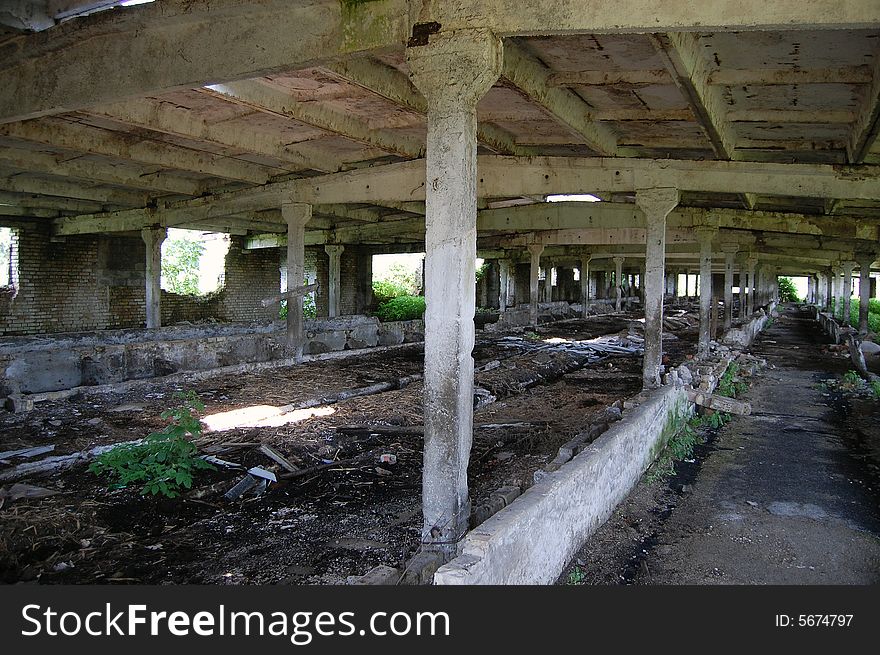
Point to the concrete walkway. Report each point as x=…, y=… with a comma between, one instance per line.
x=783, y=498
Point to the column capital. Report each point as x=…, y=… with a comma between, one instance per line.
x=456, y=67
x=334, y=249
x=847, y=266
x=154, y=234
x=866, y=259
x=296, y=213
x=619, y=260
x=729, y=248
x=657, y=202
x=535, y=249
x=705, y=232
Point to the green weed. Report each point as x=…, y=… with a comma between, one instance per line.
x=164, y=461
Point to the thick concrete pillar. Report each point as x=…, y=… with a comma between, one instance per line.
x=618, y=283
x=334, y=280
x=810, y=289
x=847, y=290
x=865, y=262
x=656, y=204
x=705, y=236
x=453, y=71
x=153, y=238
x=751, y=262
x=729, y=250
x=535, y=251
x=296, y=215
x=504, y=273
x=585, y=283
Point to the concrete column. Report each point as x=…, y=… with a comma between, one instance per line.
x=675, y=285
x=548, y=282
x=751, y=262
x=504, y=273
x=585, y=283
x=334, y=279
x=742, y=291
x=535, y=251
x=836, y=292
x=153, y=238
x=865, y=262
x=729, y=250
x=810, y=289
x=453, y=71
x=847, y=290
x=705, y=236
x=656, y=204
x=296, y=215
x=618, y=283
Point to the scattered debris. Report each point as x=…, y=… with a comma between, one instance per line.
x=20, y=490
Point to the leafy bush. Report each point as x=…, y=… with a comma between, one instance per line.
x=402, y=308
x=384, y=290
x=787, y=290
x=873, y=314
x=310, y=310
x=164, y=461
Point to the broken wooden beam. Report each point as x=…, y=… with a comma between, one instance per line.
x=720, y=403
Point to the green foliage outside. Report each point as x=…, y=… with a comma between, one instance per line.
x=180, y=265
x=164, y=462
x=398, y=281
x=787, y=290
x=402, y=308
x=481, y=271
x=873, y=314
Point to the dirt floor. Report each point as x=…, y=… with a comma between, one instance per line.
x=348, y=511
x=788, y=495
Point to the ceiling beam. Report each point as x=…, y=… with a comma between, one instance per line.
x=168, y=118
x=93, y=171
x=65, y=189
x=866, y=127
x=506, y=177
x=681, y=53
x=532, y=77
x=394, y=86
x=72, y=135
x=788, y=76
x=70, y=205
x=264, y=96
x=575, y=215
x=162, y=46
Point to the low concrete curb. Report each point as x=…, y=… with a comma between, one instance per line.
x=530, y=541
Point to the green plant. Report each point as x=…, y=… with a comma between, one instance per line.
x=576, y=576
x=875, y=388
x=180, y=265
x=164, y=461
x=730, y=384
x=787, y=290
x=402, y=308
x=397, y=281
x=680, y=446
x=531, y=336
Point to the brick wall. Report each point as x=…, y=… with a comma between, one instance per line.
x=95, y=282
